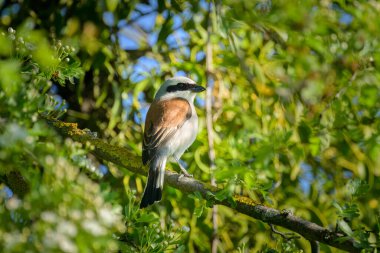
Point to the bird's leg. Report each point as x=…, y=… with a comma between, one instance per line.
x=184, y=171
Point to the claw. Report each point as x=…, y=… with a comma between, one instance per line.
x=184, y=171
x=184, y=175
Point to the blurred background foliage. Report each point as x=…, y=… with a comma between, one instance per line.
x=295, y=110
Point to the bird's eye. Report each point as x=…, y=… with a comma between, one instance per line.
x=178, y=87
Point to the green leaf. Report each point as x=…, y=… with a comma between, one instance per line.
x=180, y=249
x=370, y=95
x=112, y=5
x=357, y=187
x=221, y=195
x=196, y=195
x=350, y=211
x=198, y=210
x=10, y=78
x=337, y=206
x=304, y=132
x=166, y=29
x=43, y=54
x=147, y=218
x=345, y=227
x=5, y=45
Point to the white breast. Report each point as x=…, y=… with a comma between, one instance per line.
x=185, y=136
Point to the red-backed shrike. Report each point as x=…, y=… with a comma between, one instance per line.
x=171, y=126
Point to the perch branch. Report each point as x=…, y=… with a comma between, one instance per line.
x=123, y=157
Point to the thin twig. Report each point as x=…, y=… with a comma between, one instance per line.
x=287, y=236
x=209, y=124
x=314, y=245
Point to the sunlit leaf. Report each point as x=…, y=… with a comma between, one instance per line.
x=10, y=79
x=345, y=227
x=112, y=4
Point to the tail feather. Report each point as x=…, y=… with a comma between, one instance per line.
x=154, y=186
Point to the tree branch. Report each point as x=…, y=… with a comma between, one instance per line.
x=123, y=157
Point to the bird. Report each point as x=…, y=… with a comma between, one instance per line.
x=171, y=126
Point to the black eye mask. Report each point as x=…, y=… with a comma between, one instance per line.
x=180, y=87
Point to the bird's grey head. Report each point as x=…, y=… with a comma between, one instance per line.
x=178, y=87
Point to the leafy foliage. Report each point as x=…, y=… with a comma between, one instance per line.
x=45, y=210
x=295, y=113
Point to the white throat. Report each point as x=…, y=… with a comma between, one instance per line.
x=189, y=96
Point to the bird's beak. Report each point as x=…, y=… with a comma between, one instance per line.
x=197, y=88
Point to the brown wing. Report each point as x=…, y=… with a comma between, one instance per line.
x=163, y=119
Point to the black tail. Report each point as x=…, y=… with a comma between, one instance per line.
x=153, y=188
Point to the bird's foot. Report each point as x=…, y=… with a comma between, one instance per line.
x=185, y=175
x=188, y=175
x=184, y=172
